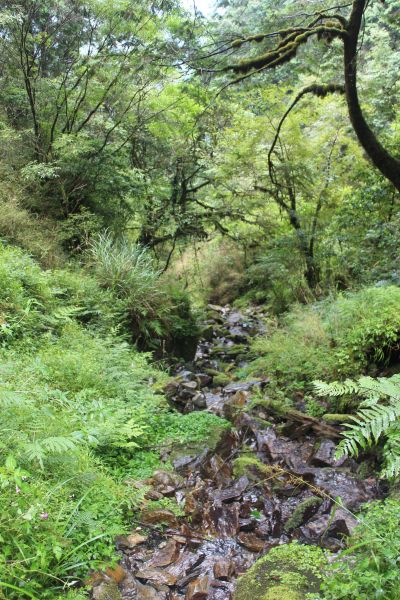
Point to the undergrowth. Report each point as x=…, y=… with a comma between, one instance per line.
x=82, y=419
x=350, y=335
x=369, y=568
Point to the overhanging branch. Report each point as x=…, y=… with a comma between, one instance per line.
x=317, y=90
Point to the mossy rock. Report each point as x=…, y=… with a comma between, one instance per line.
x=236, y=350
x=221, y=380
x=302, y=513
x=336, y=418
x=107, y=591
x=287, y=572
x=282, y=592
x=250, y=466
x=212, y=372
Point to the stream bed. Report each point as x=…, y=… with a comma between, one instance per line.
x=269, y=480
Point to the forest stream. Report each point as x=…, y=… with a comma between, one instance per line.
x=269, y=480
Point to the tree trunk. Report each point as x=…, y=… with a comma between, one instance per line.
x=387, y=164
x=311, y=273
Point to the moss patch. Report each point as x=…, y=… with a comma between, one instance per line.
x=250, y=466
x=221, y=380
x=302, y=513
x=288, y=572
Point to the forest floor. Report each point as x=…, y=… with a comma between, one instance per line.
x=270, y=479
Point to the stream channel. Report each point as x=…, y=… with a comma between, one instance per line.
x=284, y=486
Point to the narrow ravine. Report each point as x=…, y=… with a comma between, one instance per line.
x=267, y=481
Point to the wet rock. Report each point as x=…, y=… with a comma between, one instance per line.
x=189, y=385
x=167, y=555
x=171, y=389
x=251, y=541
x=324, y=455
x=199, y=400
x=235, y=491
x=219, y=470
x=224, y=519
x=247, y=524
x=339, y=524
x=158, y=516
x=156, y=576
x=184, y=464
x=165, y=482
x=186, y=564
x=229, y=521
x=234, y=317
x=264, y=530
x=198, y=589
x=234, y=404
x=185, y=375
x=352, y=491
x=147, y=592
x=214, y=403
x=224, y=569
x=215, y=308
x=283, y=450
x=243, y=386
x=106, y=591
x=204, y=379
x=130, y=541
x=238, y=334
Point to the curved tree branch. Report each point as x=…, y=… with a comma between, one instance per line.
x=327, y=27
x=317, y=90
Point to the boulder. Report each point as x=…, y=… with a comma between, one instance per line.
x=287, y=572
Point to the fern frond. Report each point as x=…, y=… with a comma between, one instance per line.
x=376, y=417
x=336, y=388
x=39, y=450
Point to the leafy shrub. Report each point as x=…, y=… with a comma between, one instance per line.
x=369, y=568
x=294, y=351
x=78, y=400
x=25, y=295
x=159, y=315
x=276, y=280
x=38, y=236
x=33, y=301
x=365, y=327
x=80, y=297
x=349, y=335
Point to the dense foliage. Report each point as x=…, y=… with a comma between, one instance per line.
x=77, y=403
x=154, y=160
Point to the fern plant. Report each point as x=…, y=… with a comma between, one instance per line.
x=378, y=417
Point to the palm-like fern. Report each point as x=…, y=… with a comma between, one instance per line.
x=378, y=416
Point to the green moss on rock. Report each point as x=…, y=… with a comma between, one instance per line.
x=282, y=592
x=221, y=380
x=302, y=512
x=336, y=418
x=250, y=466
x=287, y=572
